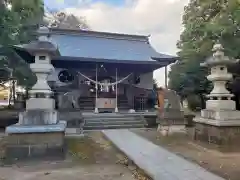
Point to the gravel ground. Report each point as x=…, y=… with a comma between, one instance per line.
x=90, y=158
x=225, y=165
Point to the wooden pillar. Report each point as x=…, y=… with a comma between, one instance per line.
x=96, y=89
x=166, y=77
x=116, y=107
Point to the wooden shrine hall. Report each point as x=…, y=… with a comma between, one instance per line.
x=100, y=71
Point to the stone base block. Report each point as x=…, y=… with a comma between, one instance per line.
x=170, y=117
x=217, y=122
x=225, y=137
x=221, y=104
x=41, y=146
x=40, y=103
x=221, y=115
x=38, y=117
x=26, y=129
x=35, y=142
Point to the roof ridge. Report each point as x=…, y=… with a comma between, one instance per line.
x=122, y=36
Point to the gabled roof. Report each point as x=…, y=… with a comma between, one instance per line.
x=84, y=49
x=102, y=45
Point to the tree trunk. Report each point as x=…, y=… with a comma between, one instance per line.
x=14, y=91
x=10, y=96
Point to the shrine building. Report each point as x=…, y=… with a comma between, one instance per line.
x=100, y=71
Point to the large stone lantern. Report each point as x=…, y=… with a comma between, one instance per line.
x=220, y=97
x=39, y=133
x=220, y=121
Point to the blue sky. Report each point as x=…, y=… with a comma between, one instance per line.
x=61, y=4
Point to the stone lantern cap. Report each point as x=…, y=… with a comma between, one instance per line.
x=218, y=58
x=42, y=45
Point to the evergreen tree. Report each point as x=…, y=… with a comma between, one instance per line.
x=205, y=23
x=18, y=20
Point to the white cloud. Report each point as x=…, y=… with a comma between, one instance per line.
x=159, y=18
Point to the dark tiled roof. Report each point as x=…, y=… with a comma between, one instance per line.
x=102, y=45
x=41, y=46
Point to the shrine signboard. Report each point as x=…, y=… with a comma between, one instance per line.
x=106, y=103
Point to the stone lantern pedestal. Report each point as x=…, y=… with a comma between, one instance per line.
x=39, y=133
x=219, y=123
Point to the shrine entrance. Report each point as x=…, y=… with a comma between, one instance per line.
x=108, y=91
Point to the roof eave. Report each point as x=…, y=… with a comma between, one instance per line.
x=168, y=60
x=22, y=48
x=102, y=60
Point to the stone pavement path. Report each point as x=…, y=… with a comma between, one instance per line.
x=157, y=162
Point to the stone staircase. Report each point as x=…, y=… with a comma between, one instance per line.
x=86, y=103
x=112, y=121
x=123, y=103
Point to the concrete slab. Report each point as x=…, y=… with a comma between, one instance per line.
x=157, y=162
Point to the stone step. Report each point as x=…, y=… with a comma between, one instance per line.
x=87, y=103
x=117, y=126
x=109, y=115
x=93, y=100
x=91, y=109
x=75, y=132
x=93, y=104
x=111, y=119
x=124, y=114
x=101, y=124
x=97, y=123
x=100, y=116
x=86, y=107
x=126, y=106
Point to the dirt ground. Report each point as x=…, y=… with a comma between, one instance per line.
x=90, y=158
x=226, y=165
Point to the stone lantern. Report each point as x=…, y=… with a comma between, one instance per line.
x=220, y=119
x=220, y=97
x=39, y=132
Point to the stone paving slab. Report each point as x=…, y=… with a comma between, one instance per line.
x=156, y=161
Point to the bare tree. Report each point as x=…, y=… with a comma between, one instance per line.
x=65, y=21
